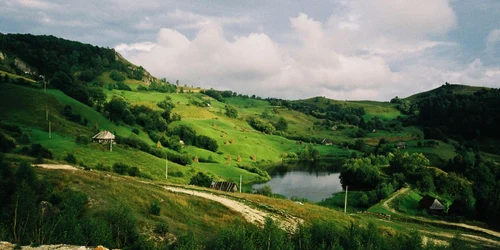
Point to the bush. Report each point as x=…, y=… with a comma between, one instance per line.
x=134, y=171
x=102, y=167
x=265, y=190
x=262, y=125
x=231, y=111
x=82, y=139
x=117, y=76
x=7, y=143
x=70, y=158
x=120, y=168
x=135, y=131
x=38, y=151
x=154, y=209
x=135, y=142
x=201, y=179
x=161, y=228
x=176, y=174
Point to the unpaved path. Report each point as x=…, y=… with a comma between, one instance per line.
x=250, y=214
x=385, y=204
x=57, y=166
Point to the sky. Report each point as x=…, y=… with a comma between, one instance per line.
x=339, y=49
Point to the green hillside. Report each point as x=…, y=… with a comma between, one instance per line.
x=456, y=89
x=442, y=142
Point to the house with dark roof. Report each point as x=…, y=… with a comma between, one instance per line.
x=431, y=204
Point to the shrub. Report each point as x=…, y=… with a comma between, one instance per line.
x=117, y=76
x=134, y=171
x=161, y=228
x=135, y=142
x=176, y=174
x=120, y=168
x=154, y=209
x=201, y=179
x=135, y=131
x=70, y=158
x=262, y=125
x=231, y=111
x=82, y=139
x=101, y=167
x=7, y=143
x=38, y=151
x=265, y=190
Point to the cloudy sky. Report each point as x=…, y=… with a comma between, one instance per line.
x=340, y=49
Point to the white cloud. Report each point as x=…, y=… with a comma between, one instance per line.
x=37, y=4
x=372, y=50
x=405, y=19
x=493, y=40
x=191, y=20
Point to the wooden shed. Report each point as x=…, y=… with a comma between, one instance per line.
x=431, y=204
x=224, y=186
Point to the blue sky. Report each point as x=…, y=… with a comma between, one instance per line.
x=367, y=49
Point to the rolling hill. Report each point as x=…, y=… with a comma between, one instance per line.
x=56, y=94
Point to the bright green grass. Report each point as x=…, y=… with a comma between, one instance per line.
x=407, y=203
x=444, y=151
x=181, y=212
x=94, y=153
x=14, y=76
x=228, y=173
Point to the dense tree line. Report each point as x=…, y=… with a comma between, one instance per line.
x=466, y=116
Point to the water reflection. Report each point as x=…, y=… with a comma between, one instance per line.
x=314, y=186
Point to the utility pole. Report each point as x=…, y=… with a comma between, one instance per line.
x=166, y=166
x=46, y=114
x=50, y=131
x=345, y=202
x=241, y=177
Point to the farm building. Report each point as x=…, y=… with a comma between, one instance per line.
x=401, y=145
x=431, y=204
x=224, y=186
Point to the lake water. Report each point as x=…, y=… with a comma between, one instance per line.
x=314, y=186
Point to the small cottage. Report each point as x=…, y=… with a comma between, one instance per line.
x=224, y=186
x=431, y=204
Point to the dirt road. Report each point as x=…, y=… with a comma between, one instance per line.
x=57, y=166
x=385, y=204
x=250, y=214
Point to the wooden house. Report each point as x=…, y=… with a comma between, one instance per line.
x=224, y=186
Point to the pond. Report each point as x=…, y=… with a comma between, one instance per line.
x=314, y=186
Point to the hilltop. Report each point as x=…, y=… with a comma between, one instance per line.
x=56, y=94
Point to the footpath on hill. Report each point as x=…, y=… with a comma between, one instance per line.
x=386, y=205
x=251, y=214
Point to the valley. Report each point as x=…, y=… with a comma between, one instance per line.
x=150, y=188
